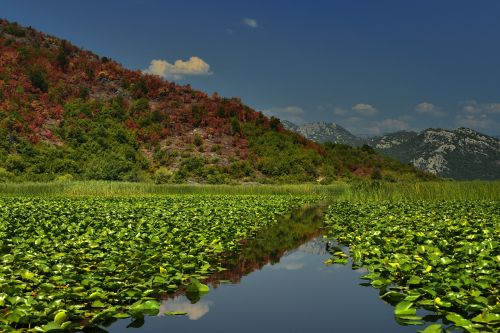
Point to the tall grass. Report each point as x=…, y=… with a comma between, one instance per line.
x=438, y=190
x=104, y=188
x=357, y=191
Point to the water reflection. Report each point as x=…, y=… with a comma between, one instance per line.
x=318, y=246
x=274, y=243
x=182, y=304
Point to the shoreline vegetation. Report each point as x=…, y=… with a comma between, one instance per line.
x=354, y=191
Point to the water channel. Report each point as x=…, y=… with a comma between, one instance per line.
x=278, y=283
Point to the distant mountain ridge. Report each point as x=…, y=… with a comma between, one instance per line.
x=461, y=154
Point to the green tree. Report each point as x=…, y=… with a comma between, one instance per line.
x=38, y=80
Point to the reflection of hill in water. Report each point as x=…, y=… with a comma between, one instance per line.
x=292, y=232
x=316, y=246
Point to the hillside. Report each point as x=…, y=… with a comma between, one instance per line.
x=461, y=154
x=67, y=113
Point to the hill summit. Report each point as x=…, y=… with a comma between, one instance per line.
x=67, y=113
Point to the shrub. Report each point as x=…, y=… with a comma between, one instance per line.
x=198, y=141
x=163, y=176
x=64, y=178
x=5, y=175
x=38, y=80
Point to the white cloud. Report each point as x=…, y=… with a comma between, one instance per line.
x=363, y=127
x=471, y=107
x=477, y=121
x=340, y=111
x=252, y=23
x=429, y=109
x=480, y=116
x=290, y=113
x=179, y=69
x=365, y=109
x=493, y=108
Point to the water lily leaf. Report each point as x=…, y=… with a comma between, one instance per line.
x=412, y=298
x=488, y=318
x=410, y=317
x=458, y=319
x=197, y=287
x=60, y=317
x=149, y=307
x=445, y=260
x=175, y=313
x=96, y=295
x=52, y=327
x=404, y=308
x=393, y=297
x=414, y=280
x=98, y=304
x=15, y=300
x=434, y=328
x=121, y=315
x=27, y=275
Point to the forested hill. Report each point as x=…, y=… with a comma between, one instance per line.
x=67, y=113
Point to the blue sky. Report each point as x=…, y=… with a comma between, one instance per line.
x=371, y=66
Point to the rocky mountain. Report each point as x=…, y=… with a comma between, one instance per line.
x=325, y=132
x=461, y=154
x=67, y=113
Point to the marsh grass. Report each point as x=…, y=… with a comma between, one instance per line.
x=438, y=190
x=104, y=188
x=354, y=191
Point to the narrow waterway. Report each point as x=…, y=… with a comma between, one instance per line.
x=278, y=283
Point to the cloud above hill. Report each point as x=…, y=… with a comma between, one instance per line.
x=195, y=66
x=365, y=109
x=429, y=109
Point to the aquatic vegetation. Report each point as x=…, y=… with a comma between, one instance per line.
x=70, y=262
x=441, y=256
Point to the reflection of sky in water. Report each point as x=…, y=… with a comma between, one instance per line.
x=182, y=304
x=290, y=262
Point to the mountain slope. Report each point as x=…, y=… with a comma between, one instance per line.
x=461, y=154
x=66, y=113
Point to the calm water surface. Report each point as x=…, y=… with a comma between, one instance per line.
x=279, y=283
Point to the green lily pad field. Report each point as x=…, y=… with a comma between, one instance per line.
x=441, y=256
x=67, y=263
